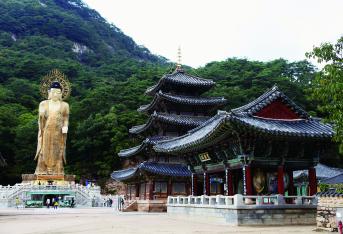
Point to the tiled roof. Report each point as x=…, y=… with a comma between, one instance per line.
x=322, y=172
x=330, y=193
x=300, y=127
x=197, y=136
x=267, y=98
x=180, y=120
x=166, y=169
x=125, y=153
x=338, y=179
x=212, y=130
x=186, y=100
x=241, y=118
x=124, y=174
x=180, y=78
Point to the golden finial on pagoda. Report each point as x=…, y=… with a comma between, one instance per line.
x=178, y=65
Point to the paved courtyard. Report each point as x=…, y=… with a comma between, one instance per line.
x=107, y=220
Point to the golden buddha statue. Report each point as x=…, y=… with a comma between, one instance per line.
x=53, y=126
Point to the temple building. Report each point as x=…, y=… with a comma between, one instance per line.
x=253, y=149
x=178, y=106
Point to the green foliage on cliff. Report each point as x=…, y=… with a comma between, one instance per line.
x=109, y=74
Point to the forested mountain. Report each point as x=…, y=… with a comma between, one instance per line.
x=109, y=73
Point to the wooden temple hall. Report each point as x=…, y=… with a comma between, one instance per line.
x=253, y=149
x=190, y=148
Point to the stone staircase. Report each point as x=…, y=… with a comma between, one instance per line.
x=130, y=206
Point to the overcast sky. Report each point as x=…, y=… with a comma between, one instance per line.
x=213, y=30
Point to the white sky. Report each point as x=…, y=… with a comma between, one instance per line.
x=213, y=30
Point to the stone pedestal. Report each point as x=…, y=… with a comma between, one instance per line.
x=48, y=179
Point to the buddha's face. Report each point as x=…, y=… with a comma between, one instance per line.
x=55, y=94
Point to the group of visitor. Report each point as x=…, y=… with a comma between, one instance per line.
x=108, y=202
x=53, y=202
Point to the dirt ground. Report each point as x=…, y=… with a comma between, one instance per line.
x=107, y=220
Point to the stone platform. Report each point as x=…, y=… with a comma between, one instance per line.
x=48, y=179
x=151, y=205
x=241, y=210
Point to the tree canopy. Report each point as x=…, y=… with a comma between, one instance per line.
x=327, y=88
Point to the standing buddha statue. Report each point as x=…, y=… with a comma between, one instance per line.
x=53, y=125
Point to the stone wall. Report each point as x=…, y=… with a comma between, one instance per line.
x=327, y=211
x=251, y=216
x=152, y=205
x=247, y=210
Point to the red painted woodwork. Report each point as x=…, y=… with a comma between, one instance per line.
x=151, y=190
x=169, y=188
x=229, y=191
x=137, y=189
x=280, y=182
x=194, y=184
x=188, y=188
x=277, y=110
x=312, y=178
x=291, y=183
x=248, y=180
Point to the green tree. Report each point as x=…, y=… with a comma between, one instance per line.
x=327, y=88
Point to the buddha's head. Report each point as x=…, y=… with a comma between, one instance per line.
x=55, y=91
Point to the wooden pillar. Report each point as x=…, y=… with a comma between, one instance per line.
x=280, y=182
x=194, y=191
x=312, y=178
x=129, y=187
x=228, y=182
x=291, y=184
x=137, y=189
x=247, y=180
x=151, y=190
x=206, y=184
x=169, y=187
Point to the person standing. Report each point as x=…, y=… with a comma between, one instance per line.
x=47, y=202
x=17, y=202
x=55, y=205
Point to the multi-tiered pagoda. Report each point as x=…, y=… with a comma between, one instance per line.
x=177, y=107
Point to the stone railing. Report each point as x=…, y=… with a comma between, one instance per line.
x=85, y=196
x=240, y=201
x=246, y=210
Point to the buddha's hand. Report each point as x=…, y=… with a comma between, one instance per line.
x=65, y=129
